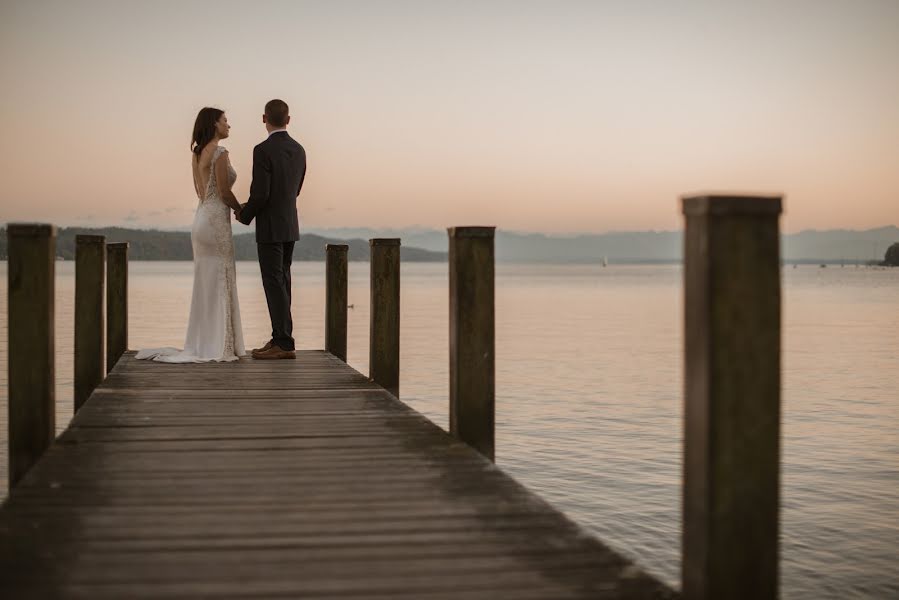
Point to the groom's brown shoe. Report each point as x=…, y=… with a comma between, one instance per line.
x=267, y=346
x=274, y=353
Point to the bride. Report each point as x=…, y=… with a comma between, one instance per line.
x=214, y=331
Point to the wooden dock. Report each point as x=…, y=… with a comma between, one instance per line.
x=307, y=479
x=294, y=479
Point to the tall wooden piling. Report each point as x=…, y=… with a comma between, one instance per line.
x=116, y=302
x=732, y=397
x=336, y=300
x=384, y=331
x=90, y=315
x=31, y=351
x=471, y=337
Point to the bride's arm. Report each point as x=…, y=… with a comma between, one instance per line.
x=195, y=168
x=222, y=181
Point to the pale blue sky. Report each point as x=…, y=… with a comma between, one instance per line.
x=542, y=116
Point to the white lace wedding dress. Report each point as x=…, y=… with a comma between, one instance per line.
x=213, y=331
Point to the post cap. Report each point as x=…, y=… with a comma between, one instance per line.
x=30, y=230
x=731, y=204
x=117, y=245
x=384, y=242
x=471, y=232
x=337, y=247
x=90, y=239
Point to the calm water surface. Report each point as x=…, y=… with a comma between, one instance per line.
x=588, y=389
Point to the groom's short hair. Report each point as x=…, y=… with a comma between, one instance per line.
x=277, y=112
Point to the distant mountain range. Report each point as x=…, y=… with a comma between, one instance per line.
x=175, y=245
x=642, y=246
x=431, y=245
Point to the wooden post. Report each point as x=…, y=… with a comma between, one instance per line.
x=90, y=314
x=471, y=338
x=732, y=397
x=336, y=300
x=384, y=332
x=31, y=351
x=116, y=302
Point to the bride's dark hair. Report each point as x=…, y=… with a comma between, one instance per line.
x=204, y=129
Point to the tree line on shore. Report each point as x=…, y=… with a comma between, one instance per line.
x=891, y=258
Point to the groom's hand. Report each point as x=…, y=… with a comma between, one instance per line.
x=239, y=213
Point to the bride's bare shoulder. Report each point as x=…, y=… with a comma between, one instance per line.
x=205, y=156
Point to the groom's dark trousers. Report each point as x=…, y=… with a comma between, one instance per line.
x=279, y=168
x=274, y=262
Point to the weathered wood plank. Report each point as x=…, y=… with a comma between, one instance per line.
x=336, y=300
x=732, y=397
x=472, y=347
x=116, y=302
x=588, y=583
x=90, y=315
x=301, y=479
x=384, y=318
x=31, y=405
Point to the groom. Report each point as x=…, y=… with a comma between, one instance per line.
x=279, y=167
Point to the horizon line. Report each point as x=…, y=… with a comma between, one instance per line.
x=423, y=229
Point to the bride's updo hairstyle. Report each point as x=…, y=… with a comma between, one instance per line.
x=204, y=129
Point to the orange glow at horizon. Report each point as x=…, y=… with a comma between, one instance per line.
x=564, y=117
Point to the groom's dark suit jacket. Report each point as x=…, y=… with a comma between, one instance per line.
x=279, y=168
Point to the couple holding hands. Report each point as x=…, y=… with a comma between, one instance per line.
x=279, y=168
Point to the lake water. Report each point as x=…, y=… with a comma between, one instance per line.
x=589, y=402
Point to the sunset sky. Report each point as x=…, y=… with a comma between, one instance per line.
x=536, y=116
